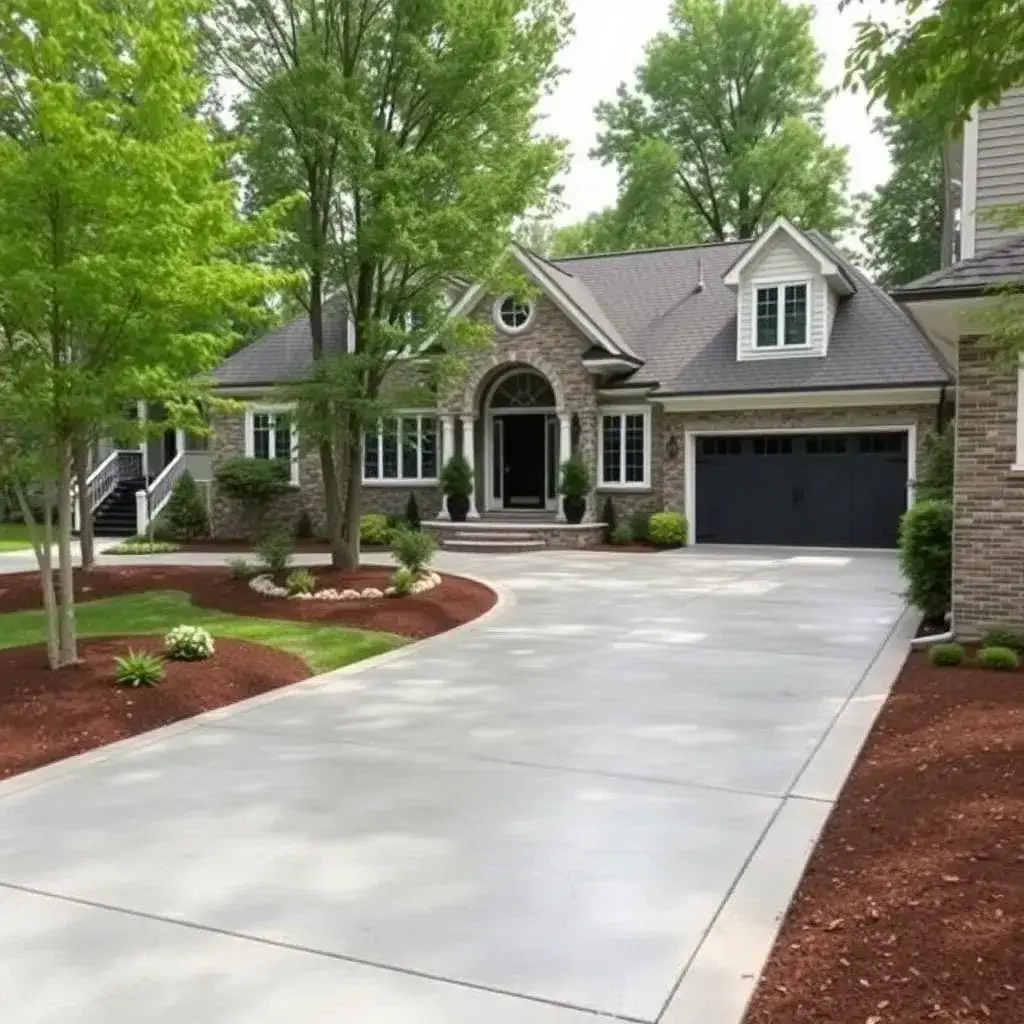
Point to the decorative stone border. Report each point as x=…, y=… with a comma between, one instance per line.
x=268, y=588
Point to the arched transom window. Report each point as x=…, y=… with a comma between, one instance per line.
x=523, y=390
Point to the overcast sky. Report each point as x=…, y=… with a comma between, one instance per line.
x=608, y=45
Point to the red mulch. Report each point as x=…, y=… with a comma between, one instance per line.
x=455, y=601
x=912, y=907
x=46, y=715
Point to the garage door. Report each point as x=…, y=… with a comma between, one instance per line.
x=829, y=490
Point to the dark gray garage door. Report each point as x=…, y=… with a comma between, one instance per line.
x=829, y=490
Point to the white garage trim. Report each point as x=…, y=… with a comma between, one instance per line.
x=690, y=454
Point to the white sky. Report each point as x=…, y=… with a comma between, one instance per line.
x=608, y=45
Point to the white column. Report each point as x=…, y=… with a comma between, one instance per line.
x=179, y=441
x=469, y=452
x=144, y=443
x=447, y=451
x=564, y=451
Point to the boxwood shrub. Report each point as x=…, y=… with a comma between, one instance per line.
x=667, y=529
x=1000, y=659
x=946, y=654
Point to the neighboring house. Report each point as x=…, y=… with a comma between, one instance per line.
x=988, y=532
x=766, y=389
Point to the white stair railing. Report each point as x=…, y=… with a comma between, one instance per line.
x=103, y=481
x=150, y=501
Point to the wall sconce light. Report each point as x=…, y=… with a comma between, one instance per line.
x=672, y=447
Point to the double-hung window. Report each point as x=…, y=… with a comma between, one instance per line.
x=625, y=452
x=270, y=434
x=781, y=315
x=402, y=449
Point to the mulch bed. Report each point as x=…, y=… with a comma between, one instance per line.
x=912, y=906
x=46, y=715
x=455, y=601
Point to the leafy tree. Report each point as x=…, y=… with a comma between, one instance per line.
x=902, y=226
x=726, y=114
x=118, y=225
x=407, y=129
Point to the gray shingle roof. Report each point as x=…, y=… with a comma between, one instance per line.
x=284, y=355
x=1001, y=265
x=687, y=336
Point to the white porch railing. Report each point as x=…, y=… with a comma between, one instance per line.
x=103, y=481
x=150, y=501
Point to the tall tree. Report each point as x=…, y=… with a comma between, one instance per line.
x=116, y=281
x=732, y=93
x=407, y=129
x=902, y=220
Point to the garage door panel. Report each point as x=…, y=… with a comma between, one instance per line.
x=839, y=490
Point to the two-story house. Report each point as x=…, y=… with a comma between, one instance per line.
x=954, y=307
x=765, y=388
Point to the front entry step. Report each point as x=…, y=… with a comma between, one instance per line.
x=491, y=544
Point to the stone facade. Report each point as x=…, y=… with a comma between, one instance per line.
x=988, y=506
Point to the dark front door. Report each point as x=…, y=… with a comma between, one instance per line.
x=828, y=490
x=523, y=469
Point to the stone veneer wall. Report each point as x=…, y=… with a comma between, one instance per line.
x=988, y=507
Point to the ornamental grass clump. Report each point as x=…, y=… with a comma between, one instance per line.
x=137, y=668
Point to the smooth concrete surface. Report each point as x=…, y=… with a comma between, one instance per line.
x=581, y=807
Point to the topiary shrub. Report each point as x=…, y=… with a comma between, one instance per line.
x=609, y=520
x=574, y=487
x=301, y=581
x=457, y=485
x=412, y=513
x=275, y=553
x=402, y=582
x=188, y=643
x=935, y=476
x=667, y=529
x=623, y=534
x=999, y=659
x=137, y=668
x=255, y=483
x=639, y=523
x=185, y=512
x=375, y=530
x=926, y=556
x=1003, y=636
x=946, y=654
x=413, y=550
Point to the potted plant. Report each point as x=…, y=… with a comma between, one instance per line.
x=457, y=484
x=575, y=487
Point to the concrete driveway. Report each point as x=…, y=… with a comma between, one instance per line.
x=595, y=803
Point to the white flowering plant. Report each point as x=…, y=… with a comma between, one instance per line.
x=188, y=643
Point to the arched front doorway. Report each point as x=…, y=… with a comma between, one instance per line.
x=521, y=437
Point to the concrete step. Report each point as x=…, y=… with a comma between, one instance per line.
x=514, y=536
x=485, y=545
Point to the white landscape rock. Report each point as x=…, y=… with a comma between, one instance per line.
x=268, y=588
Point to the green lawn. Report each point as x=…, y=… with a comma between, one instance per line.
x=13, y=536
x=322, y=647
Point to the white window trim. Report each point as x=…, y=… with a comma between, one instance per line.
x=780, y=289
x=1018, y=461
x=621, y=484
x=502, y=326
x=252, y=411
x=403, y=481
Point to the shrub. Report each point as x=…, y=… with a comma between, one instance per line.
x=160, y=531
x=304, y=526
x=935, y=477
x=622, y=534
x=412, y=513
x=137, y=668
x=639, y=523
x=375, y=529
x=301, y=581
x=1001, y=636
x=667, y=529
x=1000, y=659
x=413, y=550
x=946, y=654
x=275, y=553
x=185, y=513
x=402, y=581
x=457, y=477
x=255, y=483
x=926, y=555
x=575, y=481
x=609, y=520
x=188, y=643
x=241, y=568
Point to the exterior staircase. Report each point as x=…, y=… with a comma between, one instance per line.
x=500, y=533
x=115, y=516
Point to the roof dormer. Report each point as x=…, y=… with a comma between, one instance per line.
x=787, y=292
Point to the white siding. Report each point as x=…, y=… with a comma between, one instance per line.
x=783, y=261
x=1000, y=168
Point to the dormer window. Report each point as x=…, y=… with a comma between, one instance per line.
x=781, y=319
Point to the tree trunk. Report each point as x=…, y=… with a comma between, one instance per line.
x=84, y=511
x=65, y=564
x=42, y=541
x=353, y=500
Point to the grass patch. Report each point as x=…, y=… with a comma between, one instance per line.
x=14, y=537
x=322, y=647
